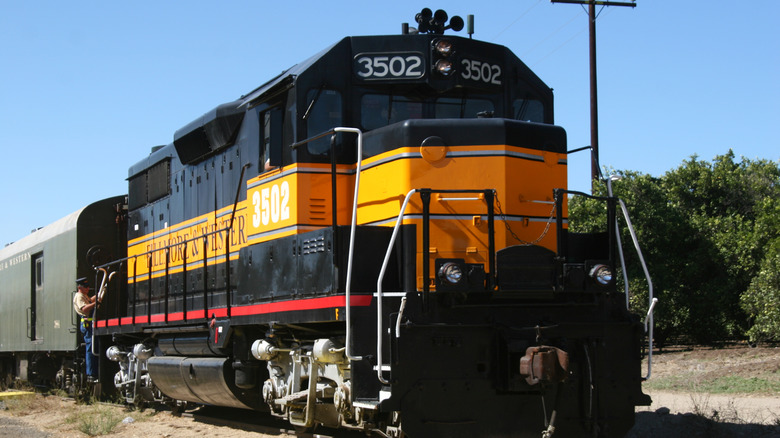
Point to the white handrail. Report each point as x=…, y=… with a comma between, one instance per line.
x=98, y=298
x=620, y=245
x=652, y=301
x=348, y=287
x=379, y=334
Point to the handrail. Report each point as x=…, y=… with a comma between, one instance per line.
x=106, y=279
x=379, y=337
x=487, y=196
x=620, y=247
x=350, y=254
x=167, y=247
x=353, y=226
x=652, y=301
x=166, y=250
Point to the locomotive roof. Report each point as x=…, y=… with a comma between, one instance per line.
x=218, y=127
x=286, y=75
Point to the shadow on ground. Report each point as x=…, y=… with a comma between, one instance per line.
x=663, y=424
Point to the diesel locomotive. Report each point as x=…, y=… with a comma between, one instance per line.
x=375, y=239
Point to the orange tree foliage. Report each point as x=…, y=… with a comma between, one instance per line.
x=710, y=233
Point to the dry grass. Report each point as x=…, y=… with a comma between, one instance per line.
x=96, y=420
x=57, y=414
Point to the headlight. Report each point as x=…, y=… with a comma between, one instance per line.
x=602, y=274
x=450, y=272
x=444, y=47
x=444, y=66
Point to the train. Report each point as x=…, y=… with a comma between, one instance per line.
x=376, y=239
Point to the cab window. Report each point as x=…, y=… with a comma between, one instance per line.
x=529, y=110
x=379, y=110
x=322, y=114
x=265, y=146
x=462, y=108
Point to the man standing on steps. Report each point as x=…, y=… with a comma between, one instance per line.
x=84, y=305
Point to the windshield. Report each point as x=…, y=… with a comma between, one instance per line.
x=377, y=110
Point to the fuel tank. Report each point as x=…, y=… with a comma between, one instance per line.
x=204, y=380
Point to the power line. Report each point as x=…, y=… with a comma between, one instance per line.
x=594, y=112
x=517, y=19
x=560, y=46
x=568, y=40
x=549, y=36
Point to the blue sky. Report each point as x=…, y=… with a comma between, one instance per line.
x=88, y=87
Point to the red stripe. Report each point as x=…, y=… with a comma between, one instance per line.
x=310, y=304
x=254, y=309
x=195, y=314
x=219, y=313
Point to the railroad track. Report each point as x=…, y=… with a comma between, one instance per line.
x=250, y=421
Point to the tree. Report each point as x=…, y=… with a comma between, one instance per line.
x=703, y=227
x=762, y=299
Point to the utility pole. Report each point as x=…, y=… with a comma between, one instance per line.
x=594, y=106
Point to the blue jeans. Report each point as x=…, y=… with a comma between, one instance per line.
x=92, y=360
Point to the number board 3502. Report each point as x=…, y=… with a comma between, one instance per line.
x=483, y=72
x=389, y=66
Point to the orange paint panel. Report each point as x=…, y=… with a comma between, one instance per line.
x=296, y=200
x=521, y=178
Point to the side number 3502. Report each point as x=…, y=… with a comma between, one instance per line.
x=271, y=204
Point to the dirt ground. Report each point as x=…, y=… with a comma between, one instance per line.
x=674, y=412
x=688, y=410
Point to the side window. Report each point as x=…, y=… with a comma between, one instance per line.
x=39, y=271
x=271, y=138
x=322, y=114
x=529, y=110
x=265, y=139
